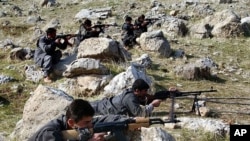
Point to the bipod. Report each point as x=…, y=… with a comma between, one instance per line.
x=195, y=105
x=172, y=118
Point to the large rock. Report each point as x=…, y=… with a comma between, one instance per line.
x=45, y=104
x=155, y=41
x=61, y=66
x=171, y=26
x=101, y=13
x=102, y=49
x=226, y=24
x=155, y=134
x=201, y=30
x=147, y=134
x=21, y=53
x=85, y=66
x=125, y=80
x=144, y=61
x=209, y=125
x=85, y=85
x=201, y=69
x=222, y=24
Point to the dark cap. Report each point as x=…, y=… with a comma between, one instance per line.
x=128, y=18
x=140, y=84
x=142, y=16
x=50, y=30
x=87, y=22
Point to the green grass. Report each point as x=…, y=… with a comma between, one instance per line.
x=14, y=94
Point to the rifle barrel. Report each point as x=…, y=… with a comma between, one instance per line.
x=195, y=92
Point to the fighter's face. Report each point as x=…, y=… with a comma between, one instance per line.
x=142, y=92
x=51, y=35
x=85, y=122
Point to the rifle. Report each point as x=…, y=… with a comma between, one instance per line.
x=116, y=127
x=64, y=36
x=103, y=25
x=152, y=20
x=163, y=95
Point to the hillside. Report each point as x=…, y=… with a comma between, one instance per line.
x=231, y=55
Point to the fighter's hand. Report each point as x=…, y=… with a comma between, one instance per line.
x=135, y=27
x=58, y=40
x=98, y=137
x=69, y=36
x=172, y=89
x=156, y=102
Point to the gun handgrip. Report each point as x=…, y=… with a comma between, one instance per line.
x=135, y=126
x=141, y=120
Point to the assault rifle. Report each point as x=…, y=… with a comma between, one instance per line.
x=116, y=128
x=163, y=95
x=152, y=20
x=64, y=36
x=103, y=25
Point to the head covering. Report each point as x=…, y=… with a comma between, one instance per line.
x=140, y=84
x=128, y=18
x=50, y=30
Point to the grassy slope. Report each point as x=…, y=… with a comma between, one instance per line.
x=237, y=49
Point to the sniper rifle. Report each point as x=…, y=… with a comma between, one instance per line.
x=116, y=128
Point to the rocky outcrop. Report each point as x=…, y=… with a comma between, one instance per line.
x=222, y=24
x=125, y=80
x=45, y=104
x=103, y=49
x=156, y=42
x=85, y=85
x=201, y=69
x=85, y=66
